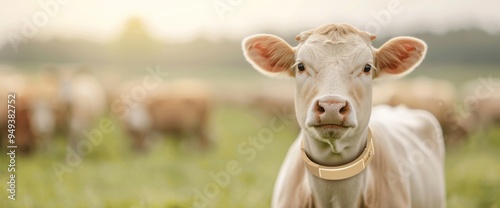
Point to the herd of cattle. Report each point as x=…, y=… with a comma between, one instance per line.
x=59, y=103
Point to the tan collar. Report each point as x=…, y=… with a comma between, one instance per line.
x=344, y=171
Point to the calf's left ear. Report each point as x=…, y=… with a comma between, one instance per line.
x=399, y=56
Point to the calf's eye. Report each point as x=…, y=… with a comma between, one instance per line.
x=367, y=68
x=301, y=67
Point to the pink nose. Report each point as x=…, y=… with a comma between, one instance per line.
x=332, y=108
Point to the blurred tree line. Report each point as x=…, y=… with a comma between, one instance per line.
x=135, y=46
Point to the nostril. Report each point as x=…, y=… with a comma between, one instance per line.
x=344, y=109
x=321, y=109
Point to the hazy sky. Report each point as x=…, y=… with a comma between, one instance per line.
x=184, y=19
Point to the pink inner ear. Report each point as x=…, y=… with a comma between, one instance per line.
x=401, y=56
x=269, y=53
x=391, y=67
x=404, y=55
x=401, y=59
x=409, y=48
x=264, y=53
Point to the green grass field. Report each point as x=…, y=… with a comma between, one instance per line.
x=113, y=176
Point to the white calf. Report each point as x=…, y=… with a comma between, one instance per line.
x=337, y=161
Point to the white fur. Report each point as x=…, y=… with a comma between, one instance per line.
x=334, y=57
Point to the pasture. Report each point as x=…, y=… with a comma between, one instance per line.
x=175, y=174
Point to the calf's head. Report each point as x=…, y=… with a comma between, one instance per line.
x=334, y=67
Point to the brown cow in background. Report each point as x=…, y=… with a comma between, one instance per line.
x=270, y=103
x=481, y=106
x=433, y=95
x=181, y=107
x=11, y=81
x=50, y=116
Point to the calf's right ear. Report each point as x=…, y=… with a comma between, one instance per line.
x=270, y=55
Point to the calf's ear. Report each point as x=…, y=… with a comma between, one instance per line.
x=399, y=56
x=270, y=55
